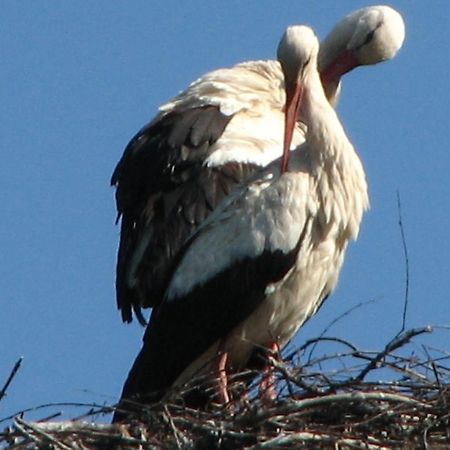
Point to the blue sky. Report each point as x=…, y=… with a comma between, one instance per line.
x=77, y=80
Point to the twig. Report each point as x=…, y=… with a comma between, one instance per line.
x=175, y=431
x=13, y=373
x=394, y=344
x=405, y=252
x=101, y=409
x=42, y=433
x=321, y=339
x=295, y=439
x=433, y=367
x=289, y=379
x=51, y=416
x=97, y=429
x=332, y=399
x=337, y=319
x=326, y=408
x=25, y=432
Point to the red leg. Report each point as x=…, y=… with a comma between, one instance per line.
x=220, y=368
x=267, y=385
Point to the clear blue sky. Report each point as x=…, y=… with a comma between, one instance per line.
x=77, y=80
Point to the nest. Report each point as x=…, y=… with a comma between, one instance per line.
x=335, y=401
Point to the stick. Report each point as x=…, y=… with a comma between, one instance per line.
x=405, y=252
x=398, y=341
x=13, y=373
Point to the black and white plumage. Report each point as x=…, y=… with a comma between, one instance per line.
x=209, y=139
x=262, y=263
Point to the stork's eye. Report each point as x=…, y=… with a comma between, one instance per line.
x=307, y=62
x=370, y=35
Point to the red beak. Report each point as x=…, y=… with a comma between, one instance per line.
x=294, y=94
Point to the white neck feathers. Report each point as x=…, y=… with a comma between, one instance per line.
x=337, y=168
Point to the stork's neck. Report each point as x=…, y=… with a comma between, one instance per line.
x=325, y=135
x=339, y=175
x=330, y=49
x=333, y=45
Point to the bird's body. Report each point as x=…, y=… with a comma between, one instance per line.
x=202, y=145
x=299, y=237
x=264, y=261
x=209, y=139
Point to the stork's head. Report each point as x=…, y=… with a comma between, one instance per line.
x=297, y=49
x=297, y=54
x=367, y=36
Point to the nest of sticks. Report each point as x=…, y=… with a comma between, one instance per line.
x=332, y=401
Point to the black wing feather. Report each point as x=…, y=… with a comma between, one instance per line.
x=182, y=329
x=163, y=193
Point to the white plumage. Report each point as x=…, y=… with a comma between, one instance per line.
x=318, y=204
x=227, y=281
x=251, y=92
x=262, y=263
x=212, y=136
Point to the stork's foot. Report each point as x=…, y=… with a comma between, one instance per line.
x=223, y=396
x=267, y=387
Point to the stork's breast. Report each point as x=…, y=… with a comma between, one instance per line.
x=288, y=305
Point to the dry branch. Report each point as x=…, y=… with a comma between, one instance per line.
x=11, y=376
x=327, y=402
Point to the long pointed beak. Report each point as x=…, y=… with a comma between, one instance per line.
x=294, y=94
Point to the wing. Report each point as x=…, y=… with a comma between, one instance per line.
x=163, y=192
x=179, y=167
x=221, y=278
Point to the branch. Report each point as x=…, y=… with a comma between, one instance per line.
x=24, y=427
x=13, y=373
x=294, y=439
x=399, y=341
x=337, y=319
x=405, y=252
x=332, y=399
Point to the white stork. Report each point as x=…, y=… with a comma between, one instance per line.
x=210, y=138
x=263, y=262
